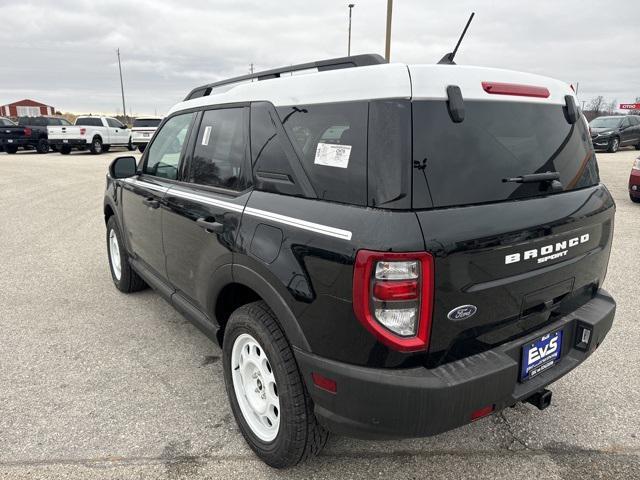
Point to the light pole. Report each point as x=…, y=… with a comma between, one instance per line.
x=387, y=47
x=124, y=109
x=351, y=5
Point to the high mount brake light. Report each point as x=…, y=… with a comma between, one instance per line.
x=496, y=88
x=393, y=297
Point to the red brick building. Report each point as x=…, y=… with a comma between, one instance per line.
x=26, y=108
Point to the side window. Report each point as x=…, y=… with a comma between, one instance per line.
x=626, y=122
x=271, y=169
x=220, y=150
x=331, y=140
x=113, y=123
x=164, y=153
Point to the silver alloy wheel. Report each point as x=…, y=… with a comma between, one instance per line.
x=615, y=145
x=255, y=387
x=97, y=146
x=114, y=254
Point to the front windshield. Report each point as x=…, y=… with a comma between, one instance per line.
x=605, y=122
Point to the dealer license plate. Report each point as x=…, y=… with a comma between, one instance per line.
x=540, y=355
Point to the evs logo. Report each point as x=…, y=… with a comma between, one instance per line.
x=548, y=252
x=540, y=353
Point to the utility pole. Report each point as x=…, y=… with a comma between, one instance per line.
x=577, y=88
x=387, y=48
x=351, y=5
x=124, y=108
x=251, y=68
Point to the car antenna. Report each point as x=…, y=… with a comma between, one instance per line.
x=448, y=58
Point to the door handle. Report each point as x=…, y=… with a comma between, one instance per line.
x=151, y=203
x=211, y=227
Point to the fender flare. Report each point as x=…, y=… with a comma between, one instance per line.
x=250, y=278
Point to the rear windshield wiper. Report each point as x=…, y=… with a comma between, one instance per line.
x=534, y=178
x=553, y=178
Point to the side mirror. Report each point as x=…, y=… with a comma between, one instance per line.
x=123, y=167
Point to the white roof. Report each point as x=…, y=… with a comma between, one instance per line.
x=392, y=80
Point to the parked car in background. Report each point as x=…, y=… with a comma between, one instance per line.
x=142, y=131
x=5, y=122
x=29, y=133
x=634, y=181
x=97, y=134
x=611, y=133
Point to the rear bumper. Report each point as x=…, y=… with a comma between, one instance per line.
x=385, y=403
x=68, y=142
x=16, y=142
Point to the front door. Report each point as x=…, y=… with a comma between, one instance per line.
x=204, y=209
x=144, y=196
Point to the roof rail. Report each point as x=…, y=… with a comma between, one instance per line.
x=321, y=65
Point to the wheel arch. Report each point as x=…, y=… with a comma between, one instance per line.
x=248, y=286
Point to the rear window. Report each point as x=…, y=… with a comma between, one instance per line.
x=146, y=122
x=89, y=122
x=465, y=163
x=331, y=142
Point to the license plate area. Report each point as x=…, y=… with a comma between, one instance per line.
x=540, y=355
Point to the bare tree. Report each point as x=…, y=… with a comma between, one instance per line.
x=611, y=106
x=636, y=111
x=596, y=104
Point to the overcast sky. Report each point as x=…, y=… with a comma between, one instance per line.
x=63, y=52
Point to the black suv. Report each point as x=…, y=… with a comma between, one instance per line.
x=381, y=250
x=611, y=133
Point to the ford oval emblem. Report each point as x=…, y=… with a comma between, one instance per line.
x=462, y=312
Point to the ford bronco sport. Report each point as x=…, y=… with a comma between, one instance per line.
x=382, y=250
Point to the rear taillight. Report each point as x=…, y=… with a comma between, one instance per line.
x=497, y=88
x=27, y=132
x=393, y=297
x=83, y=131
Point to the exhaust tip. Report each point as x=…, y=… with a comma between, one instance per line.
x=540, y=399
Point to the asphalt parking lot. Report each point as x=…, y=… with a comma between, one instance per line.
x=98, y=384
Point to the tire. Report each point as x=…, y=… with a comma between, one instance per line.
x=614, y=145
x=634, y=199
x=65, y=150
x=141, y=148
x=11, y=149
x=96, y=146
x=106, y=148
x=298, y=434
x=124, y=277
x=42, y=146
x=130, y=146
x=638, y=146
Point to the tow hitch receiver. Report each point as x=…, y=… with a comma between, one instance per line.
x=541, y=399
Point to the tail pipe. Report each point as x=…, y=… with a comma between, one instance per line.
x=540, y=399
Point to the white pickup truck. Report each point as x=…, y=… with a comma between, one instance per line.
x=97, y=134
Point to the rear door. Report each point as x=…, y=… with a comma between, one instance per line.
x=510, y=257
x=143, y=196
x=627, y=134
x=204, y=210
x=117, y=132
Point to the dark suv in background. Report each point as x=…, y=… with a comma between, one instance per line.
x=29, y=133
x=611, y=133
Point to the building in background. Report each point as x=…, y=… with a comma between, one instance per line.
x=26, y=108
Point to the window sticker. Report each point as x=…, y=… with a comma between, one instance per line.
x=332, y=155
x=206, y=135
